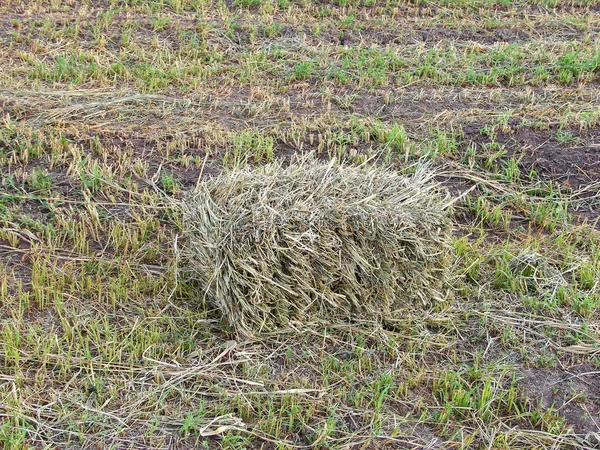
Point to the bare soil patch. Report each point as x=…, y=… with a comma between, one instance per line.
x=574, y=393
x=575, y=163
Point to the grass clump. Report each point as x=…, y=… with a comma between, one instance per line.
x=316, y=240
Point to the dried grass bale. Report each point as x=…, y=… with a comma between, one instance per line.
x=316, y=240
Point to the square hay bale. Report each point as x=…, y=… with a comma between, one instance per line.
x=314, y=240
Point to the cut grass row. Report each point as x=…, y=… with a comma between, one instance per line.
x=193, y=65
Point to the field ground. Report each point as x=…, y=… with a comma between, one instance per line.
x=112, y=109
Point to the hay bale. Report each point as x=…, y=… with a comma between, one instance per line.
x=316, y=240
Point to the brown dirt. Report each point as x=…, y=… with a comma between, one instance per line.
x=575, y=164
x=436, y=34
x=574, y=393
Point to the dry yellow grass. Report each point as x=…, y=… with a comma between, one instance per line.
x=272, y=244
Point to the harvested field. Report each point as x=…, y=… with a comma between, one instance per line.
x=115, y=113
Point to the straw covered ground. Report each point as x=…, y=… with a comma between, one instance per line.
x=174, y=274
x=317, y=240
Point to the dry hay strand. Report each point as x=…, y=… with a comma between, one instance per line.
x=316, y=240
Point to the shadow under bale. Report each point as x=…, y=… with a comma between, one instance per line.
x=316, y=240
